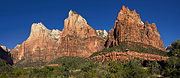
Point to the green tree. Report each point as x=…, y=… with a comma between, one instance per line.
x=5, y=67
x=133, y=69
x=154, y=67
x=171, y=64
x=175, y=49
x=114, y=67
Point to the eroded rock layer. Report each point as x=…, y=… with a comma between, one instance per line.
x=78, y=38
x=129, y=55
x=129, y=27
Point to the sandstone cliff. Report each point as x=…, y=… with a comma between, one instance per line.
x=42, y=44
x=129, y=27
x=78, y=38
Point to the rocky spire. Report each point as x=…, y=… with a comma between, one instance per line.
x=76, y=25
x=129, y=27
x=78, y=38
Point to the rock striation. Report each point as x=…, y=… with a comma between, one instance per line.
x=14, y=53
x=129, y=55
x=78, y=38
x=102, y=33
x=129, y=27
x=5, y=55
x=42, y=44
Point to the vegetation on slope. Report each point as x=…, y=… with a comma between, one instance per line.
x=4, y=67
x=132, y=46
x=28, y=63
x=75, y=67
x=175, y=49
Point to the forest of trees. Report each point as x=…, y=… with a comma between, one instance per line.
x=76, y=67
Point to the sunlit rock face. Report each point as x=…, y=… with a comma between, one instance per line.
x=102, y=33
x=129, y=27
x=41, y=44
x=78, y=38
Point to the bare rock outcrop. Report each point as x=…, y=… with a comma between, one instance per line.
x=42, y=44
x=78, y=38
x=129, y=27
x=14, y=53
x=102, y=33
x=129, y=55
x=5, y=48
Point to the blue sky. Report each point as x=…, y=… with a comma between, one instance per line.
x=17, y=16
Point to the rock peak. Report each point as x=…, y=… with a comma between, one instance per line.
x=81, y=39
x=129, y=27
x=71, y=13
x=124, y=9
x=75, y=24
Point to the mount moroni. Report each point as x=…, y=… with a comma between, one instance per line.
x=78, y=38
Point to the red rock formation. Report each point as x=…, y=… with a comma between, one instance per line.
x=14, y=53
x=129, y=27
x=78, y=38
x=42, y=44
x=129, y=55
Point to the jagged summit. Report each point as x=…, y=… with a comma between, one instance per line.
x=71, y=12
x=125, y=13
x=129, y=27
x=76, y=25
x=40, y=40
x=39, y=30
x=81, y=39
